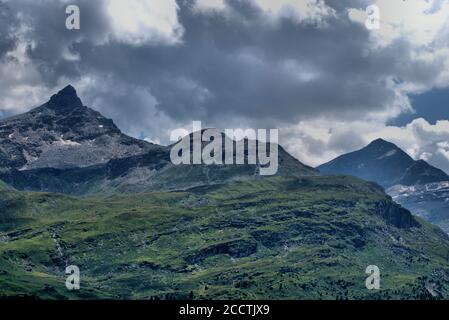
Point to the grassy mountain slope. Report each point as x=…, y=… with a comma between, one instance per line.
x=11, y=201
x=275, y=237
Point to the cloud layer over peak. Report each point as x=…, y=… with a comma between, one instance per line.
x=154, y=65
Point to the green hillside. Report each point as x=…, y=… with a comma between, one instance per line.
x=271, y=238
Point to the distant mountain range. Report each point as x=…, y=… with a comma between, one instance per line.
x=386, y=164
x=63, y=146
x=418, y=186
x=77, y=191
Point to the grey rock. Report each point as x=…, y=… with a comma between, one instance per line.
x=63, y=133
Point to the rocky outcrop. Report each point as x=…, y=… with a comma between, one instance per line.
x=429, y=201
x=236, y=249
x=63, y=133
x=395, y=215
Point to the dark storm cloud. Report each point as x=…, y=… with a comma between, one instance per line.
x=237, y=64
x=52, y=41
x=240, y=65
x=7, y=24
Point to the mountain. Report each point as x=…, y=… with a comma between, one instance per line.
x=63, y=133
x=429, y=201
x=271, y=238
x=140, y=227
x=386, y=164
x=416, y=185
x=63, y=146
x=146, y=172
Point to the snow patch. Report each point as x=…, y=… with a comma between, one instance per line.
x=63, y=142
x=388, y=154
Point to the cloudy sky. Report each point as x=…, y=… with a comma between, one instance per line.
x=308, y=67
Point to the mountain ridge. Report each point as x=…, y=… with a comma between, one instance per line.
x=385, y=163
x=63, y=133
x=416, y=185
x=140, y=227
x=64, y=146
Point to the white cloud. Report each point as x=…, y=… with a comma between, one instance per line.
x=142, y=118
x=419, y=22
x=420, y=27
x=424, y=26
x=305, y=11
x=313, y=11
x=210, y=5
x=144, y=21
x=21, y=84
x=316, y=142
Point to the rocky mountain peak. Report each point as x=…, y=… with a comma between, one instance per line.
x=65, y=99
x=63, y=133
x=379, y=141
x=381, y=146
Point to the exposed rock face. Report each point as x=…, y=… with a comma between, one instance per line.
x=150, y=171
x=429, y=201
x=63, y=133
x=63, y=146
x=396, y=215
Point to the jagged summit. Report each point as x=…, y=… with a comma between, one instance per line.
x=79, y=150
x=62, y=133
x=381, y=142
x=64, y=99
